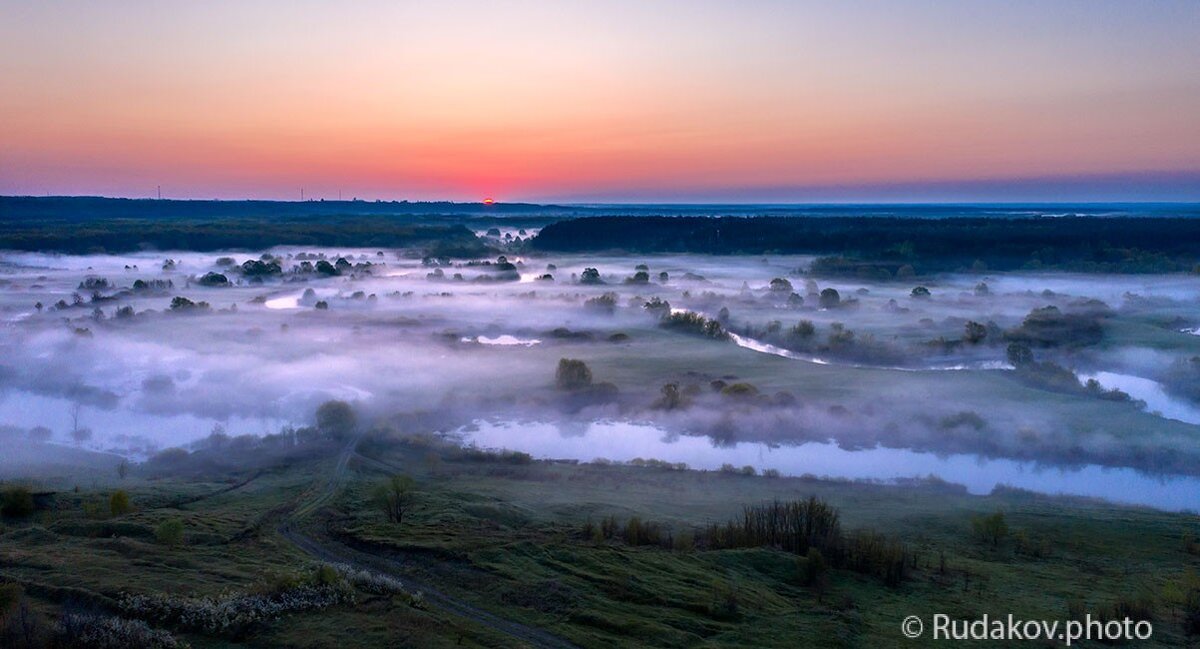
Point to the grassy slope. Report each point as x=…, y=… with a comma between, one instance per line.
x=521, y=527
x=506, y=538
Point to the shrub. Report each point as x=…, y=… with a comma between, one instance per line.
x=724, y=604
x=803, y=330
x=657, y=307
x=214, y=279
x=974, y=333
x=118, y=503
x=170, y=532
x=20, y=624
x=606, y=303
x=180, y=304
x=1050, y=327
x=108, y=632
x=813, y=568
x=16, y=502
x=694, y=323
x=739, y=390
x=572, y=374
x=257, y=268
x=1019, y=354
x=231, y=613
x=671, y=397
x=990, y=529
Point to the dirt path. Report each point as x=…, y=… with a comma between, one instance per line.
x=224, y=490
x=331, y=551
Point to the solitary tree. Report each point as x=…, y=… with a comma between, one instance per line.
x=974, y=332
x=830, y=298
x=572, y=374
x=336, y=419
x=395, y=497
x=781, y=285
x=81, y=435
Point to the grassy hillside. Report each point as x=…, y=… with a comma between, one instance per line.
x=505, y=551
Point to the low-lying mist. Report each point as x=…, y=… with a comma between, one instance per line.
x=137, y=353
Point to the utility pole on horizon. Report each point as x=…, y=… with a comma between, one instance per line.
x=160, y=192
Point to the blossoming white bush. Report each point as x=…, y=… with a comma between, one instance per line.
x=234, y=611
x=107, y=632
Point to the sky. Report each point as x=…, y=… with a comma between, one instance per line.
x=614, y=101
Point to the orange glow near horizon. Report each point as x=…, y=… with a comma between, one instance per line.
x=489, y=201
x=674, y=100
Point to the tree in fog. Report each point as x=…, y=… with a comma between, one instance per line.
x=974, y=333
x=40, y=434
x=572, y=374
x=830, y=298
x=336, y=419
x=1019, y=354
x=78, y=433
x=781, y=285
x=671, y=397
x=395, y=497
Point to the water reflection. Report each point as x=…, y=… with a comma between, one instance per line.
x=624, y=441
x=1152, y=392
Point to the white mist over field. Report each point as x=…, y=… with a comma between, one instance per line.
x=93, y=351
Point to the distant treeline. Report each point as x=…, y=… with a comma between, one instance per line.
x=51, y=226
x=882, y=246
x=87, y=208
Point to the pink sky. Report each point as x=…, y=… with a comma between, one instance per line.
x=573, y=100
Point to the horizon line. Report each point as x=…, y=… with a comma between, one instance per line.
x=587, y=204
